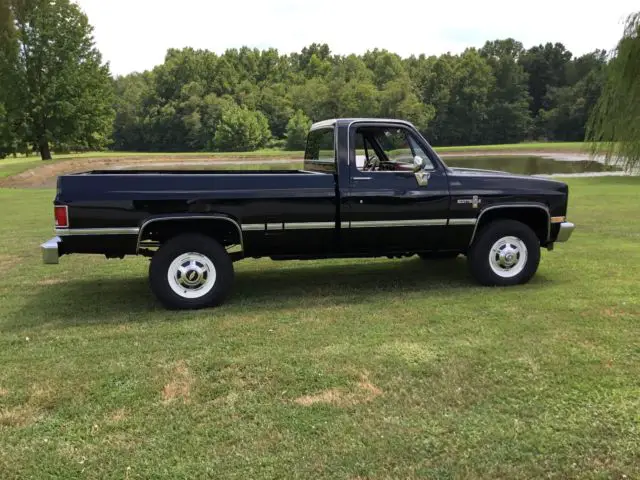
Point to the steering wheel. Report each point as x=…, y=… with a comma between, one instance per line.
x=371, y=163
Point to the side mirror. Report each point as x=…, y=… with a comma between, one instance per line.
x=418, y=163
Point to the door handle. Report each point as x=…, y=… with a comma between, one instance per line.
x=361, y=178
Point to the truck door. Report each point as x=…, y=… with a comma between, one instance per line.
x=386, y=207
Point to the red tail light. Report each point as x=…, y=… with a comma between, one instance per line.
x=62, y=216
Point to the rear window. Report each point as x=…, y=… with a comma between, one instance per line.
x=320, y=155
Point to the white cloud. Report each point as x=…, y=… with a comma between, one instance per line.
x=135, y=34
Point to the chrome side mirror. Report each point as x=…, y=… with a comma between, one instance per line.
x=418, y=163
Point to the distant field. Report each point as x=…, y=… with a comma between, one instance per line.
x=349, y=369
x=12, y=166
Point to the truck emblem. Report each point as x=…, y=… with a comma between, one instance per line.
x=475, y=201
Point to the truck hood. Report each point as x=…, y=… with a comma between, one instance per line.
x=476, y=172
x=518, y=181
x=481, y=173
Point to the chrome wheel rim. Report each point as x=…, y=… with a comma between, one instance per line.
x=508, y=257
x=191, y=275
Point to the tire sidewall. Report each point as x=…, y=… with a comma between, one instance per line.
x=198, y=244
x=479, y=253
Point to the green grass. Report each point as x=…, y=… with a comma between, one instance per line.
x=427, y=375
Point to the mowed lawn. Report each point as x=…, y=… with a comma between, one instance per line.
x=350, y=369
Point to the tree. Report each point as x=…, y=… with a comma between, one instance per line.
x=546, y=66
x=569, y=107
x=241, y=130
x=297, y=130
x=463, y=117
x=57, y=85
x=508, y=118
x=132, y=93
x=614, y=126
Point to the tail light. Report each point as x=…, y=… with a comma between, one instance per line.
x=61, y=213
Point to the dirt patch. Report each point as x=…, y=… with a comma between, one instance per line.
x=43, y=396
x=7, y=262
x=363, y=392
x=3, y=392
x=51, y=281
x=44, y=176
x=179, y=385
x=19, y=416
x=118, y=415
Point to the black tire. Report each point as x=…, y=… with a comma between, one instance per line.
x=201, y=245
x=479, y=254
x=427, y=256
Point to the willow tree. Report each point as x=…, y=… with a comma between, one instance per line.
x=614, y=126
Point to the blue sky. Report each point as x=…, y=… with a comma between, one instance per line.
x=134, y=35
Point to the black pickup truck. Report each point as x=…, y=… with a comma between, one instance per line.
x=368, y=188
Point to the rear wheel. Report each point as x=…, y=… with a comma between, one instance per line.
x=505, y=252
x=191, y=271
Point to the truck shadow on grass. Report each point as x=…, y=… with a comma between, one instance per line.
x=278, y=286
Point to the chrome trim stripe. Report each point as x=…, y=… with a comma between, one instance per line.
x=515, y=205
x=67, y=232
x=462, y=221
x=345, y=224
x=309, y=225
x=189, y=217
x=253, y=227
x=399, y=223
x=258, y=227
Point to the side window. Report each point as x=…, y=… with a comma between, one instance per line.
x=387, y=149
x=320, y=155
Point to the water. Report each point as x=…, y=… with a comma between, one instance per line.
x=530, y=165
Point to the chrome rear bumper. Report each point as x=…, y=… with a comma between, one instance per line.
x=50, y=253
x=566, y=229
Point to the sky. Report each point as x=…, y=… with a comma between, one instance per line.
x=134, y=35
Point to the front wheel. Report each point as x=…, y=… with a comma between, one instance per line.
x=505, y=252
x=191, y=271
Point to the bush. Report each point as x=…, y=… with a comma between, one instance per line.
x=241, y=130
x=297, y=131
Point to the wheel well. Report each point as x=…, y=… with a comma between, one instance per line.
x=536, y=218
x=226, y=231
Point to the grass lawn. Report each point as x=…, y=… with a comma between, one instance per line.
x=347, y=369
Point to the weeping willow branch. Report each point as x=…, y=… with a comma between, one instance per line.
x=614, y=126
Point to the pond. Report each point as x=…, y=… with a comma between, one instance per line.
x=529, y=165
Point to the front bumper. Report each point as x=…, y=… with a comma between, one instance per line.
x=50, y=251
x=566, y=229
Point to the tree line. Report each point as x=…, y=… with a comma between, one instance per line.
x=57, y=91
x=248, y=99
